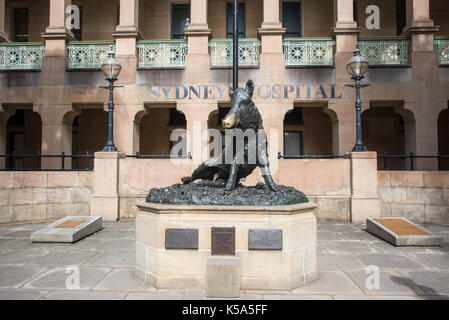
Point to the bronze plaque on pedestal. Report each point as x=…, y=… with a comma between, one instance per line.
x=181, y=238
x=265, y=239
x=223, y=241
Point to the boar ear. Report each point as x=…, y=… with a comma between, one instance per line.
x=250, y=87
x=231, y=92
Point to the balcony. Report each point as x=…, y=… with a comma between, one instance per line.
x=21, y=55
x=391, y=51
x=162, y=53
x=308, y=51
x=221, y=52
x=87, y=55
x=442, y=47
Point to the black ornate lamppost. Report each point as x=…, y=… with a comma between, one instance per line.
x=111, y=68
x=357, y=67
x=235, y=48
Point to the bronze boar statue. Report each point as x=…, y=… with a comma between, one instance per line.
x=244, y=116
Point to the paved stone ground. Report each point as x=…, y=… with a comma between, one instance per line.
x=106, y=260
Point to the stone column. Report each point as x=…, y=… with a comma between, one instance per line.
x=197, y=68
x=105, y=201
x=56, y=35
x=272, y=58
x=273, y=114
x=346, y=33
x=197, y=115
x=344, y=127
x=126, y=35
x=422, y=32
x=426, y=133
x=3, y=35
x=55, y=138
x=126, y=138
x=365, y=202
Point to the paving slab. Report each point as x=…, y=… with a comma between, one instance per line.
x=116, y=259
x=16, y=276
x=18, y=234
x=105, y=234
x=84, y=295
x=57, y=278
x=437, y=261
x=117, y=245
x=360, y=235
x=153, y=296
x=26, y=257
x=329, y=235
x=347, y=247
x=329, y=283
x=365, y=297
x=338, y=261
x=123, y=280
x=66, y=258
x=21, y=294
x=434, y=283
x=389, y=261
x=390, y=283
x=337, y=227
x=297, y=297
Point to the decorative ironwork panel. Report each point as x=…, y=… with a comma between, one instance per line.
x=442, y=47
x=162, y=54
x=221, y=52
x=308, y=52
x=88, y=55
x=21, y=57
x=385, y=51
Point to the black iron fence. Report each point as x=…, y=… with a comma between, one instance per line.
x=307, y=156
x=383, y=160
x=159, y=156
x=410, y=158
x=87, y=160
x=13, y=159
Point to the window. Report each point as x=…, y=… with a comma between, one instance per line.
x=176, y=118
x=78, y=33
x=294, y=117
x=21, y=25
x=291, y=19
x=180, y=13
x=401, y=15
x=293, y=143
x=230, y=20
x=355, y=14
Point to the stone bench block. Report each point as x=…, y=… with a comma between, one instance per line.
x=69, y=229
x=223, y=277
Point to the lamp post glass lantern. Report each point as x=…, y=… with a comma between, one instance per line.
x=111, y=67
x=357, y=67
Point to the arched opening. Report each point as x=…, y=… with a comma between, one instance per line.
x=387, y=132
x=23, y=137
x=156, y=127
x=214, y=122
x=89, y=134
x=443, y=138
x=307, y=130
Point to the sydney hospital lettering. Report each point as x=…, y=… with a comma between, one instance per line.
x=220, y=92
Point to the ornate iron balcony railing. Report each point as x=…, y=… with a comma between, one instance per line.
x=221, y=52
x=385, y=51
x=88, y=54
x=21, y=55
x=162, y=53
x=308, y=51
x=442, y=47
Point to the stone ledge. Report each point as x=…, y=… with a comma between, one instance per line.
x=210, y=209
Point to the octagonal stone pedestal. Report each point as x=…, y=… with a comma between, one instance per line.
x=284, y=269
